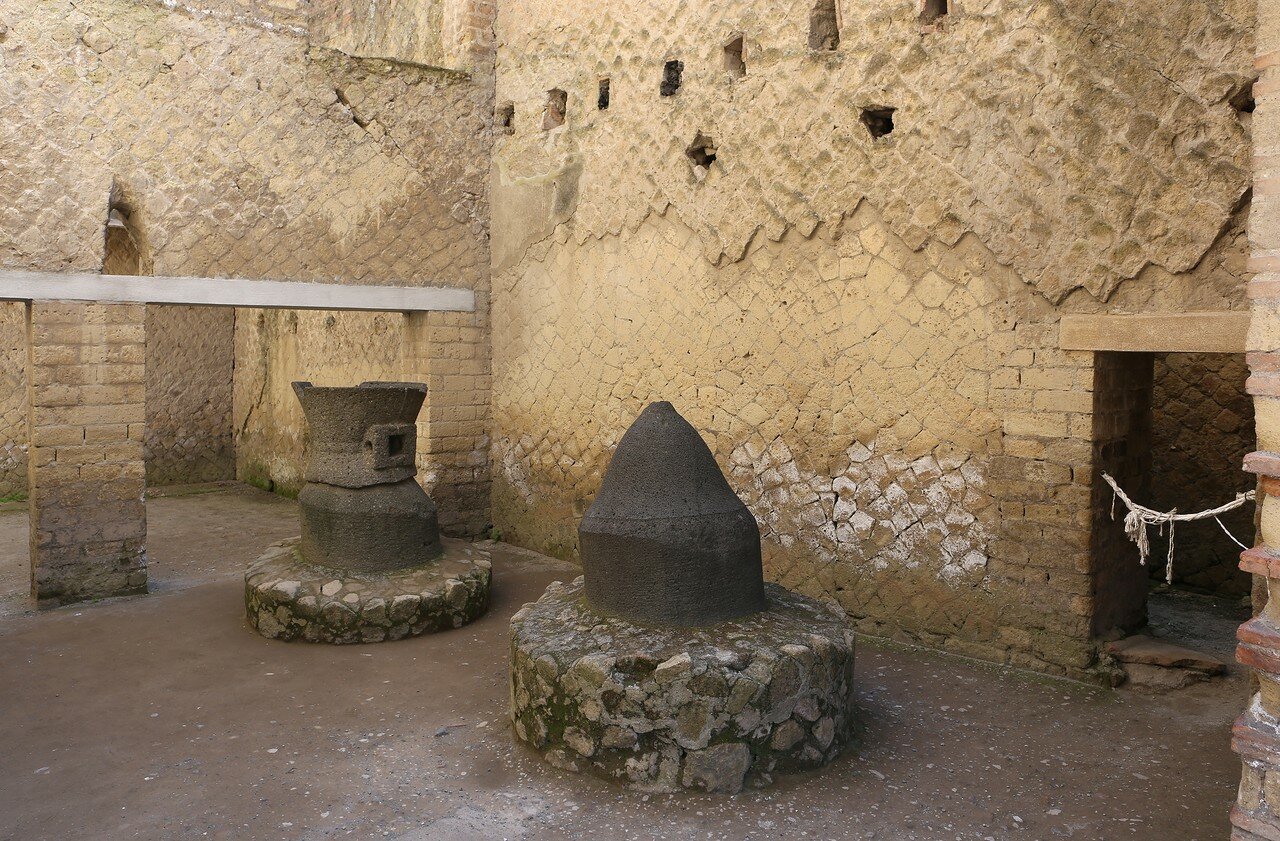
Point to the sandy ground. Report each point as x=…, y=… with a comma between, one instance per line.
x=165, y=717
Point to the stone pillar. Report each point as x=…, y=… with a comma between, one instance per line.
x=85, y=463
x=1256, y=735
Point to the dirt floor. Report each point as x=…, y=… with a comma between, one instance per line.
x=165, y=717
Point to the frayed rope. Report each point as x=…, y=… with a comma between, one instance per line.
x=1140, y=517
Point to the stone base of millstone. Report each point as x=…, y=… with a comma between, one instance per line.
x=288, y=598
x=661, y=709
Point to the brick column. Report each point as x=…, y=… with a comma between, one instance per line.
x=85, y=465
x=454, y=347
x=1256, y=735
x=454, y=423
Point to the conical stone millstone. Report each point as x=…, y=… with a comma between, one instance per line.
x=667, y=541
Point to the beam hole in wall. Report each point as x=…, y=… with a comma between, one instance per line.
x=735, y=63
x=933, y=11
x=504, y=118
x=557, y=108
x=879, y=121
x=1242, y=100
x=672, y=77
x=702, y=154
x=824, y=26
x=602, y=97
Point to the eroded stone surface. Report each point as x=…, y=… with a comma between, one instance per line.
x=663, y=708
x=288, y=598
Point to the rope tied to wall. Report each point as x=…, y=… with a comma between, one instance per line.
x=1140, y=518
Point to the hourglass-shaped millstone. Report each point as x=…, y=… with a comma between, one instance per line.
x=667, y=541
x=361, y=508
x=370, y=564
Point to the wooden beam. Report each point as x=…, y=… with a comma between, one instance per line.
x=226, y=292
x=1173, y=332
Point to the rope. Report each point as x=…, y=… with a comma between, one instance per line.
x=1140, y=517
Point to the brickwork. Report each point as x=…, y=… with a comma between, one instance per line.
x=455, y=421
x=1122, y=419
x=88, y=520
x=1202, y=429
x=1256, y=815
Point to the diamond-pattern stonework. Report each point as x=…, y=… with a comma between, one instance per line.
x=1203, y=426
x=865, y=327
x=241, y=149
x=899, y=421
x=189, y=370
x=13, y=400
x=1080, y=142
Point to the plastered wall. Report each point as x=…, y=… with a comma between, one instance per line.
x=864, y=328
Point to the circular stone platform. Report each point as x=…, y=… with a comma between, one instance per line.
x=665, y=708
x=288, y=598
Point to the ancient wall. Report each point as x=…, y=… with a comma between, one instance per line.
x=1256, y=813
x=243, y=149
x=189, y=372
x=1202, y=430
x=846, y=267
x=13, y=401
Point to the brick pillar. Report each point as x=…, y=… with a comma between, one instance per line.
x=453, y=349
x=85, y=464
x=1256, y=735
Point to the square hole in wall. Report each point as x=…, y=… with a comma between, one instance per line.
x=932, y=11
x=672, y=77
x=557, y=108
x=603, y=95
x=879, y=121
x=735, y=63
x=702, y=154
x=824, y=26
x=1242, y=100
x=504, y=118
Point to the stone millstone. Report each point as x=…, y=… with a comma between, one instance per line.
x=666, y=708
x=666, y=540
x=373, y=529
x=361, y=435
x=361, y=509
x=288, y=598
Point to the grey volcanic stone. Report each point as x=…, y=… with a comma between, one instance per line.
x=362, y=509
x=662, y=708
x=720, y=768
x=362, y=435
x=289, y=598
x=666, y=540
x=369, y=565
x=372, y=529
